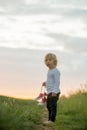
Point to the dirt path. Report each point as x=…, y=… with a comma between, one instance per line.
x=43, y=126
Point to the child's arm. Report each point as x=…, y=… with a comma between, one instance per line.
x=53, y=94
x=57, y=83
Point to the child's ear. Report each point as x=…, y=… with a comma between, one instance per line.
x=54, y=62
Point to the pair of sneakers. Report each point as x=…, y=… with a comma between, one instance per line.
x=43, y=97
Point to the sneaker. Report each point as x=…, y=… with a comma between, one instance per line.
x=41, y=95
x=48, y=122
x=45, y=94
x=43, y=101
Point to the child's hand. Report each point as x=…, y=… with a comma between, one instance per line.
x=44, y=84
x=54, y=94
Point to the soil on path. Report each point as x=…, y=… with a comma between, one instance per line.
x=41, y=125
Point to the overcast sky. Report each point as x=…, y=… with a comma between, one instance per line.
x=58, y=26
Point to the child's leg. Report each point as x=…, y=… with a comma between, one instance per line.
x=54, y=107
x=49, y=107
x=49, y=115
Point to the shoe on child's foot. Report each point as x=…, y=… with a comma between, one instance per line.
x=48, y=122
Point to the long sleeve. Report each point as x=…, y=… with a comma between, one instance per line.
x=56, y=82
x=53, y=81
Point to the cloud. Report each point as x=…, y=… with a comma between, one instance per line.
x=73, y=65
x=12, y=6
x=54, y=28
x=77, y=45
x=1, y=10
x=47, y=6
x=30, y=2
x=21, y=32
x=70, y=44
x=42, y=31
x=11, y=2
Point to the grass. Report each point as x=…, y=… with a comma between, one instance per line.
x=72, y=113
x=18, y=114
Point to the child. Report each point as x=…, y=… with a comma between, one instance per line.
x=52, y=86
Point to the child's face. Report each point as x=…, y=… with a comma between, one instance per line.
x=49, y=63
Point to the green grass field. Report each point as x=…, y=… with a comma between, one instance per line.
x=72, y=113
x=18, y=114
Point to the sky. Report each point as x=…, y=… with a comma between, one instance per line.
x=31, y=28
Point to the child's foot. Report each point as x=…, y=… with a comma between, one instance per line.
x=48, y=122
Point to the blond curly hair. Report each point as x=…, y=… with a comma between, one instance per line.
x=51, y=56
